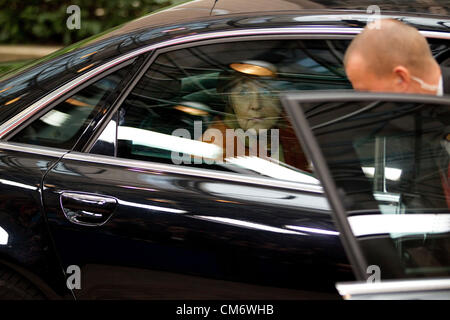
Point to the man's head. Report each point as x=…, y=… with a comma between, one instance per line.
x=390, y=56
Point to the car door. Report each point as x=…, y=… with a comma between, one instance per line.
x=383, y=160
x=25, y=245
x=149, y=211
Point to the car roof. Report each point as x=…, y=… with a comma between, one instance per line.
x=417, y=6
x=232, y=13
x=203, y=9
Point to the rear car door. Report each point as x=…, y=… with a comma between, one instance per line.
x=155, y=207
x=25, y=245
x=383, y=160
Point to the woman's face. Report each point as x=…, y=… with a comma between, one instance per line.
x=254, y=105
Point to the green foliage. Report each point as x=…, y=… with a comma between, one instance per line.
x=44, y=21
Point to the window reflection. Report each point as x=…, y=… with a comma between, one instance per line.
x=217, y=106
x=390, y=162
x=63, y=125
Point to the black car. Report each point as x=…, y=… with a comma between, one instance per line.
x=158, y=162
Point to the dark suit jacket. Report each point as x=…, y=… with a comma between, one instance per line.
x=446, y=79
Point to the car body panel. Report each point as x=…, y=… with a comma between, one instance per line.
x=26, y=244
x=192, y=225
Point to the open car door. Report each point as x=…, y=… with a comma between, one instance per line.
x=384, y=163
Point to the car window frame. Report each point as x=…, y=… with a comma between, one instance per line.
x=79, y=152
x=346, y=34
x=107, y=98
x=240, y=38
x=8, y=126
x=154, y=56
x=36, y=115
x=338, y=33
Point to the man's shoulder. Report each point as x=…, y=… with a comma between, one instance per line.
x=445, y=71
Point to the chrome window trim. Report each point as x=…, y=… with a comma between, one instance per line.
x=13, y=122
x=196, y=172
x=167, y=168
x=21, y=147
x=384, y=287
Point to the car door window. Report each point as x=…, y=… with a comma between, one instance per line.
x=390, y=162
x=61, y=126
x=217, y=106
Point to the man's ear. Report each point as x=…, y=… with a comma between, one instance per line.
x=402, y=77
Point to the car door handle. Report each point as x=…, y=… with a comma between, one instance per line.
x=87, y=209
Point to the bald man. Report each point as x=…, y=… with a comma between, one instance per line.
x=390, y=56
x=396, y=58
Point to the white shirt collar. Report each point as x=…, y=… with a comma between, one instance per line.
x=440, y=91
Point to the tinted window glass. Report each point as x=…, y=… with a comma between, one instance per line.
x=217, y=106
x=63, y=125
x=391, y=160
